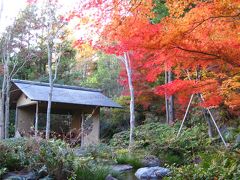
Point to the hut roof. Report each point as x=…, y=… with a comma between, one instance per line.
x=39, y=91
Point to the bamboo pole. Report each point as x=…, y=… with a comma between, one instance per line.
x=185, y=115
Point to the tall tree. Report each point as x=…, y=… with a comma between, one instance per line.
x=53, y=25
x=127, y=63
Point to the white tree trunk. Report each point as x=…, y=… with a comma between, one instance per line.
x=50, y=90
x=7, y=108
x=2, y=108
x=2, y=94
x=131, y=89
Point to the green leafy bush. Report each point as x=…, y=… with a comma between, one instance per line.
x=100, y=151
x=160, y=140
x=122, y=156
x=214, y=164
x=2, y=171
x=86, y=172
x=21, y=153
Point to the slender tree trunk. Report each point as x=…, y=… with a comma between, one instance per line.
x=131, y=89
x=2, y=117
x=166, y=98
x=205, y=112
x=50, y=91
x=210, y=125
x=2, y=95
x=207, y=118
x=7, y=108
x=171, y=102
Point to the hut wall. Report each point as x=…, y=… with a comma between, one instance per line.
x=25, y=101
x=93, y=136
x=25, y=117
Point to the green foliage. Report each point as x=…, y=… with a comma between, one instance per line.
x=115, y=120
x=2, y=171
x=90, y=173
x=160, y=140
x=160, y=11
x=18, y=154
x=214, y=164
x=129, y=159
x=123, y=156
x=105, y=75
x=191, y=156
x=100, y=151
x=57, y=157
x=11, y=156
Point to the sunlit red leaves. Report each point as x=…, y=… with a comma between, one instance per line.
x=185, y=88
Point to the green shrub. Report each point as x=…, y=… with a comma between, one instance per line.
x=214, y=164
x=21, y=153
x=160, y=140
x=129, y=159
x=86, y=172
x=100, y=151
x=124, y=157
x=2, y=171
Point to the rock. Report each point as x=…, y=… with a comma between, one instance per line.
x=150, y=161
x=17, y=134
x=46, y=178
x=238, y=139
x=43, y=172
x=110, y=177
x=20, y=176
x=80, y=151
x=152, y=172
x=121, y=167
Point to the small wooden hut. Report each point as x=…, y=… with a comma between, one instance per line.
x=30, y=98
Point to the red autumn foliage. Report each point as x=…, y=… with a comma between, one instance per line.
x=205, y=39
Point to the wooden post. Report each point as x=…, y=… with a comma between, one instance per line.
x=36, y=120
x=185, y=115
x=82, y=131
x=16, y=120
